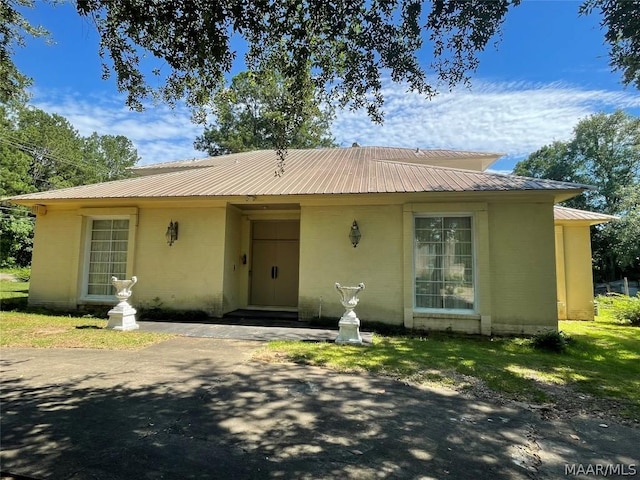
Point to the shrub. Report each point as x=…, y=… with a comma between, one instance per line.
x=626, y=309
x=551, y=341
x=22, y=274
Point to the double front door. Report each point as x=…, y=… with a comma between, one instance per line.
x=275, y=263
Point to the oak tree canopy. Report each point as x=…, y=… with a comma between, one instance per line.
x=175, y=50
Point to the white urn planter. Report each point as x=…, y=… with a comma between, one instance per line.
x=349, y=324
x=123, y=315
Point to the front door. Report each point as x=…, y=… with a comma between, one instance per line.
x=275, y=263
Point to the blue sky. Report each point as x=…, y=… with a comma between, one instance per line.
x=549, y=70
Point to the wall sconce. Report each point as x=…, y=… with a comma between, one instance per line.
x=354, y=234
x=172, y=232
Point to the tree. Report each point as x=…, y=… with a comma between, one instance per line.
x=342, y=47
x=621, y=21
x=605, y=153
x=248, y=117
x=16, y=237
x=40, y=151
x=626, y=231
x=13, y=28
x=113, y=155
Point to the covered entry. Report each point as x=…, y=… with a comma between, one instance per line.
x=273, y=279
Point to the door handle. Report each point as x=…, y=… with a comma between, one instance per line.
x=273, y=272
x=276, y=272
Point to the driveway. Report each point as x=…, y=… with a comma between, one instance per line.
x=201, y=408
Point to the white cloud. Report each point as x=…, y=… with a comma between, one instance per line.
x=160, y=134
x=511, y=118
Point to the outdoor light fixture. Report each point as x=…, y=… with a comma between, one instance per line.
x=354, y=234
x=172, y=232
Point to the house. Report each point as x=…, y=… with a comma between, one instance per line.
x=443, y=244
x=573, y=261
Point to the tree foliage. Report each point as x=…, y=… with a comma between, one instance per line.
x=182, y=49
x=16, y=238
x=340, y=47
x=621, y=22
x=248, y=116
x=604, y=153
x=41, y=151
x=13, y=28
x=626, y=231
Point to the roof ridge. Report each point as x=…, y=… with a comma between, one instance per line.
x=476, y=172
x=195, y=162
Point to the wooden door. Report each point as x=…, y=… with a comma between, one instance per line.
x=275, y=263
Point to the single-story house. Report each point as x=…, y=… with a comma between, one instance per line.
x=443, y=244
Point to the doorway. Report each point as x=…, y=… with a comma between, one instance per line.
x=274, y=274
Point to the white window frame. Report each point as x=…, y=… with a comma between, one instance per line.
x=85, y=296
x=474, y=260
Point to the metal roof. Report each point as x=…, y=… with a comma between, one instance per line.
x=321, y=171
x=409, y=155
x=566, y=213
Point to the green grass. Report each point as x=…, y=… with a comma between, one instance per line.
x=13, y=295
x=33, y=330
x=10, y=290
x=603, y=360
x=21, y=273
x=20, y=328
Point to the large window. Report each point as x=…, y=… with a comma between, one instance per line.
x=106, y=255
x=444, y=263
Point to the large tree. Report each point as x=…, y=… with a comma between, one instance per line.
x=342, y=47
x=605, y=153
x=111, y=155
x=13, y=28
x=40, y=151
x=248, y=116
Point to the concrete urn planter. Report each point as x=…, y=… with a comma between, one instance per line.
x=123, y=315
x=349, y=324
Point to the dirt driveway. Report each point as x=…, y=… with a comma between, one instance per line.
x=200, y=408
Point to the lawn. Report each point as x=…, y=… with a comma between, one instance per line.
x=20, y=328
x=602, y=360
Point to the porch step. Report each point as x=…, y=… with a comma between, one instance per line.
x=262, y=318
x=263, y=314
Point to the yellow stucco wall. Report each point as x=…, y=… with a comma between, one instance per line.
x=54, y=271
x=523, y=281
x=233, y=266
x=575, y=277
x=327, y=257
x=513, y=242
x=188, y=274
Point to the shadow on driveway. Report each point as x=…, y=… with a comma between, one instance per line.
x=194, y=408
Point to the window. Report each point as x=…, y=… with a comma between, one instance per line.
x=107, y=247
x=444, y=263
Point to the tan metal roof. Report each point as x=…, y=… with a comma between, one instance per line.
x=573, y=214
x=453, y=158
x=322, y=171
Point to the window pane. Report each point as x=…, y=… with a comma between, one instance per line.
x=107, y=256
x=443, y=256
